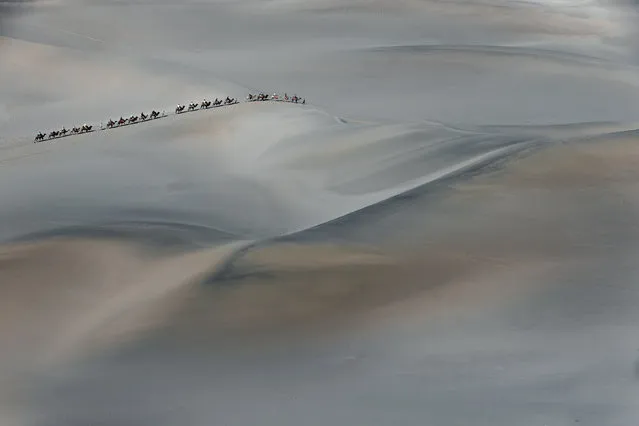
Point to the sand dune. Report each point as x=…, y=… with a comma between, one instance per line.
x=444, y=234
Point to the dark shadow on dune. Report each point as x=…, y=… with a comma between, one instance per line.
x=155, y=235
x=8, y=10
x=547, y=54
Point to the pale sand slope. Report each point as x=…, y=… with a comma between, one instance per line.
x=495, y=298
x=331, y=59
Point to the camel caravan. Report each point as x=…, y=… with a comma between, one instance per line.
x=194, y=106
x=275, y=97
x=153, y=115
x=133, y=119
x=85, y=128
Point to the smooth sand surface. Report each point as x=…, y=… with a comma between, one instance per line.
x=445, y=234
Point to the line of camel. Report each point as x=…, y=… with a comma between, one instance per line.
x=179, y=109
